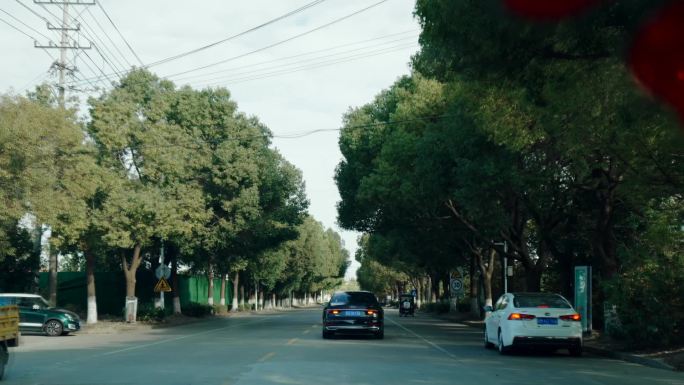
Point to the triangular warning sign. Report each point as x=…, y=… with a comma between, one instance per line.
x=456, y=275
x=162, y=285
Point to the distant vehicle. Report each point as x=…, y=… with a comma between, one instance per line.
x=35, y=315
x=407, y=305
x=353, y=312
x=9, y=331
x=533, y=319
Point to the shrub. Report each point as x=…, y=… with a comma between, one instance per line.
x=436, y=307
x=148, y=313
x=463, y=306
x=649, y=304
x=194, y=309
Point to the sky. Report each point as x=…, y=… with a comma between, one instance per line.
x=294, y=84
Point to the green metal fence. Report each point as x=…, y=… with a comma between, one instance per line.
x=110, y=288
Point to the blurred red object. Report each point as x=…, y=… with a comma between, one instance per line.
x=549, y=9
x=657, y=55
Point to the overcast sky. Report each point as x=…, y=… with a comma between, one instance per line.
x=335, y=68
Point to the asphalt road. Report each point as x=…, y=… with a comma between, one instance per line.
x=287, y=348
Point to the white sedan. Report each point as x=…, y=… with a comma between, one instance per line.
x=533, y=319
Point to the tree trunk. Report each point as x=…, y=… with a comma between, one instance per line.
x=242, y=294
x=256, y=296
x=223, y=290
x=53, y=276
x=419, y=293
x=174, y=282
x=474, y=282
x=446, y=291
x=90, y=280
x=236, y=279
x=487, y=270
x=533, y=279
x=210, y=294
x=129, y=273
x=130, y=270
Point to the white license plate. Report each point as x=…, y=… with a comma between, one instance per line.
x=353, y=313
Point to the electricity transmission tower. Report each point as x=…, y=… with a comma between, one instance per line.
x=66, y=43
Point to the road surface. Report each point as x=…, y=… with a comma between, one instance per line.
x=287, y=348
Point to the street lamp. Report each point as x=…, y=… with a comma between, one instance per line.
x=504, y=263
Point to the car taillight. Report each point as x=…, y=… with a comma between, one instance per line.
x=520, y=317
x=334, y=312
x=571, y=317
x=372, y=312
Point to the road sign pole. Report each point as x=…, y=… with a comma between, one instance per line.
x=160, y=304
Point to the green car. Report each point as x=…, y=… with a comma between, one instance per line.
x=36, y=316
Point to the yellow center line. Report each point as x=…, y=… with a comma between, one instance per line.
x=306, y=331
x=267, y=356
x=292, y=341
x=314, y=326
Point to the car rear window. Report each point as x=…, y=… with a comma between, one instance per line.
x=540, y=300
x=353, y=298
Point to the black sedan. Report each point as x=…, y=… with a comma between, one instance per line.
x=353, y=312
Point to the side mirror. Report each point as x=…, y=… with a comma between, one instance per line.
x=488, y=309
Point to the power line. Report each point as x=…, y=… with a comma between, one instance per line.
x=295, y=135
x=314, y=65
x=317, y=65
x=32, y=11
x=17, y=29
x=310, y=53
x=116, y=47
x=370, y=125
x=96, y=66
x=252, y=65
x=262, y=25
x=24, y=24
x=99, y=4
x=281, y=41
x=96, y=40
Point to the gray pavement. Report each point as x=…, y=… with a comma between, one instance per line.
x=287, y=348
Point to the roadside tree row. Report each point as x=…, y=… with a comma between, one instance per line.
x=156, y=167
x=532, y=135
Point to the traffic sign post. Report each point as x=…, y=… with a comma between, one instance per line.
x=162, y=271
x=162, y=286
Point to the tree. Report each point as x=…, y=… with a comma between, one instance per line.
x=155, y=195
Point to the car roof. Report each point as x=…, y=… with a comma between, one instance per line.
x=20, y=295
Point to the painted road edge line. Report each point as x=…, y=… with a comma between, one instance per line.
x=177, y=338
x=434, y=345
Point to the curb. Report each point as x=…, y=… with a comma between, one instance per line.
x=633, y=358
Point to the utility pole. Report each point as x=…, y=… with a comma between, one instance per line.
x=504, y=263
x=64, y=44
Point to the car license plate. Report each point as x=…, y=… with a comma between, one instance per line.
x=354, y=313
x=547, y=321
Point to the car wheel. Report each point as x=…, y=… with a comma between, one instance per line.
x=13, y=343
x=54, y=328
x=4, y=355
x=327, y=335
x=380, y=335
x=487, y=344
x=575, y=351
x=500, y=345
